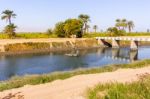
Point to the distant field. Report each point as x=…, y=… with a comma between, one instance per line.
x=29, y=35
x=44, y=35
x=107, y=34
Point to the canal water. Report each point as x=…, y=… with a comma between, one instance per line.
x=19, y=65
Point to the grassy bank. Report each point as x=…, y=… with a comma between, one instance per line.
x=135, y=90
x=39, y=79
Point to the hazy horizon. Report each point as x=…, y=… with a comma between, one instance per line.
x=38, y=16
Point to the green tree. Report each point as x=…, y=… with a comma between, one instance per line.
x=10, y=30
x=85, y=19
x=73, y=27
x=118, y=21
x=68, y=28
x=130, y=25
x=95, y=27
x=8, y=15
x=121, y=24
x=59, y=29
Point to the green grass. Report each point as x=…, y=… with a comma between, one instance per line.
x=35, y=35
x=135, y=90
x=91, y=35
x=31, y=35
x=3, y=36
x=39, y=79
x=138, y=34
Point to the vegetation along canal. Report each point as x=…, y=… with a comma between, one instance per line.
x=19, y=65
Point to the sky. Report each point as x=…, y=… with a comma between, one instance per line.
x=39, y=15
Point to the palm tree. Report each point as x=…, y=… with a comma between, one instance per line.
x=118, y=23
x=85, y=19
x=130, y=25
x=124, y=23
x=7, y=15
x=95, y=27
x=121, y=23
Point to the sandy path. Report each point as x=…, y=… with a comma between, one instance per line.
x=75, y=87
x=13, y=41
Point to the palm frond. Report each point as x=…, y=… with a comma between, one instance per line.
x=4, y=17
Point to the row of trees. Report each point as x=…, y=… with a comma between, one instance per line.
x=69, y=27
x=78, y=27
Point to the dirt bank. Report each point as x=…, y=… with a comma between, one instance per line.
x=21, y=46
x=41, y=45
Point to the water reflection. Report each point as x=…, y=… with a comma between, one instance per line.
x=125, y=55
x=63, y=61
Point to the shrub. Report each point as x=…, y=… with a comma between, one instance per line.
x=73, y=27
x=68, y=28
x=10, y=30
x=113, y=31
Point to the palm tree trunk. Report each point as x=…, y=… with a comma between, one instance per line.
x=85, y=28
x=9, y=21
x=95, y=30
x=129, y=29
